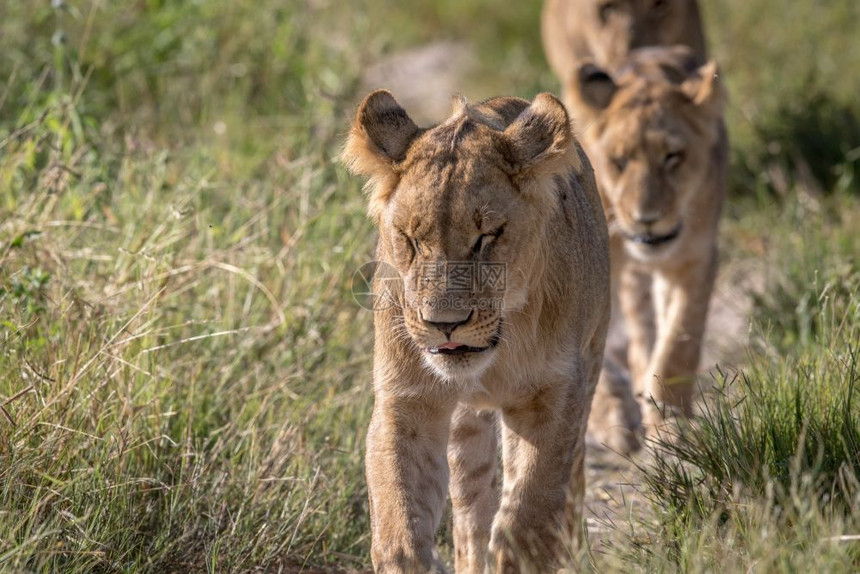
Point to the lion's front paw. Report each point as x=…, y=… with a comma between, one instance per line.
x=405, y=563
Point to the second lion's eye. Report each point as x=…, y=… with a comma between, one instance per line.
x=619, y=163
x=606, y=11
x=673, y=160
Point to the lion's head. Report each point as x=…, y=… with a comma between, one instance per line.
x=461, y=210
x=651, y=132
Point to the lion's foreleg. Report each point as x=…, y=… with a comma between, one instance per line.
x=474, y=496
x=407, y=478
x=683, y=313
x=637, y=306
x=543, y=437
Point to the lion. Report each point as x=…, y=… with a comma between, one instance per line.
x=605, y=31
x=656, y=137
x=493, y=227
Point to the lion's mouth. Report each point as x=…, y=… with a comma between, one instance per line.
x=653, y=240
x=455, y=348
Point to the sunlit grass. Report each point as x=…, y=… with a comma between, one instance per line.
x=185, y=377
x=768, y=476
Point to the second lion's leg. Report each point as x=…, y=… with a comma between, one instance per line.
x=474, y=496
x=637, y=306
x=684, y=296
x=616, y=418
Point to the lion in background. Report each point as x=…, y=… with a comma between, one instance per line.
x=502, y=183
x=604, y=32
x=655, y=133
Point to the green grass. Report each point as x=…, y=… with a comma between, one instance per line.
x=769, y=475
x=185, y=377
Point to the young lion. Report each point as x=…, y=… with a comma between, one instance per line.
x=500, y=194
x=605, y=31
x=659, y=146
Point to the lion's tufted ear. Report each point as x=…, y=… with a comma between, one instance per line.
x=379, y=138
x=380, y=135
x=705, y=89
x=539, y=141
x=594, y=87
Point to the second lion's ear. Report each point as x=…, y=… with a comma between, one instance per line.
x=594, y=87
x=705, y=89
x=537, y=142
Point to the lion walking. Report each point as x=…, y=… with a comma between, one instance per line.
x=494, y=225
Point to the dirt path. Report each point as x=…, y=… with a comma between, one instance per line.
x=613, y=496
x=424, y=79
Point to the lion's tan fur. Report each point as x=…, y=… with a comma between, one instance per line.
x=509, y=165
x=658, y=143
x=604, y=32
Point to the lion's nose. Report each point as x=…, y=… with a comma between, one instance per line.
x=447, y=322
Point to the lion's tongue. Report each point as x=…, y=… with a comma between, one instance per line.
x=451, y=345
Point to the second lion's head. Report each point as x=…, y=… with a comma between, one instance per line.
x=652, y=130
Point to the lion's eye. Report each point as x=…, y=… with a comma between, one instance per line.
x=619, y=163
x=607, y=9
x=673, y=160
x=660, y=5
x=482, y=242
x=405, y=247
x=485, y=239
x=476, y=248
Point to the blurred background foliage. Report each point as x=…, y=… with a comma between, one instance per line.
x=168, y=68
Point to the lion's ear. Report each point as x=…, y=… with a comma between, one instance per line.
x=380, y=135
x=705, y=89
x=537, y=142
x=594, y=87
